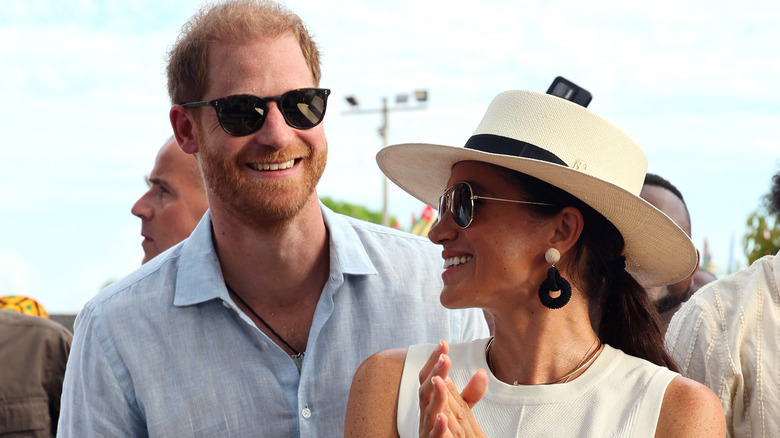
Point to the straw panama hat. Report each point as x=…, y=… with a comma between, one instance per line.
x=569, y=147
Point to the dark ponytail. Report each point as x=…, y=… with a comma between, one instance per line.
x=628, y=320
x=622, y=313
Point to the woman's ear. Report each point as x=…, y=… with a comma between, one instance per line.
x=184, y=129
x=568, y=228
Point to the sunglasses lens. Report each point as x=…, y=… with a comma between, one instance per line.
x=305, y=108
x=461, y=206
x=442, y=205
x=242, y=114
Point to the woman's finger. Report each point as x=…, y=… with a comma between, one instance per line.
x=460, y=418
x=425, y=371
x=441, y=368
x=431, y=412
x=475, y=389
x=440, y=427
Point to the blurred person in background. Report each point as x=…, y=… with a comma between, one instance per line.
x=727, y=336
x=702, y=278
x=33, y=355
x=664, y=196
x=174, y=203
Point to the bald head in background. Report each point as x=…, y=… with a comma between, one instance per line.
x=667, y=198
x=174, y=203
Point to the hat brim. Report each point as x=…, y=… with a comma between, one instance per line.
x=657, y=251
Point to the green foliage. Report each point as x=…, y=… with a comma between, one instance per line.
x=356, y=211
x=762, y=236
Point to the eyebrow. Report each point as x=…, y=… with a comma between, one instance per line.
x=156, y=181
x=476, y=187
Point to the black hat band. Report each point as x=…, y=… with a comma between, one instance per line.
x=496, y=144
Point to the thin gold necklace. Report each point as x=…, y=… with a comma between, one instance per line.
x=583, y=362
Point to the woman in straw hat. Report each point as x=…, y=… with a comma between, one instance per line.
x=543, y=228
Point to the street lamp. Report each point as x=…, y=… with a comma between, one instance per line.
x=401, y=100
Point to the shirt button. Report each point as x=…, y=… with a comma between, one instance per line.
x=226, y=304
x=306, y=413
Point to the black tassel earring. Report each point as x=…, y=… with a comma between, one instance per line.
x=554, y=282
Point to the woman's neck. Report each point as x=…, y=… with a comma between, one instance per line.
x=540, y=347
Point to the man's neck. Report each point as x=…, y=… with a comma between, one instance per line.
x=279, y=272
x=282, y=263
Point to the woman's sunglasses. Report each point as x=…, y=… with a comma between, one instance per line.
x=244, y=114
x=459, y=201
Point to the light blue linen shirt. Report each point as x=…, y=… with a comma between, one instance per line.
x=165, y=352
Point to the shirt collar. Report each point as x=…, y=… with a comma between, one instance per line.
x=348, y=254
x=199, y=278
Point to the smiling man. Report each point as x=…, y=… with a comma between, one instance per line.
x=255, y=324
x=174, y=203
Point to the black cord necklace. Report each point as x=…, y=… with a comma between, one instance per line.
x=297, y=356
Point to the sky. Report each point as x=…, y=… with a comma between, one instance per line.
x=694, y=82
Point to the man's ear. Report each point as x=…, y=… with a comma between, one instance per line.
x=568, y=228
x=184, y=129
x=692, y=277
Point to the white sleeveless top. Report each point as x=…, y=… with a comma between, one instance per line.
x=617, y=396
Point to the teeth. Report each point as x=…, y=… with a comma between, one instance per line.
x=272, y=166
x=455, y=261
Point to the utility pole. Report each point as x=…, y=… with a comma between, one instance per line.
x=421, y=97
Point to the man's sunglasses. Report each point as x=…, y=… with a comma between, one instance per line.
x=244, y=114
x=459, y=201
